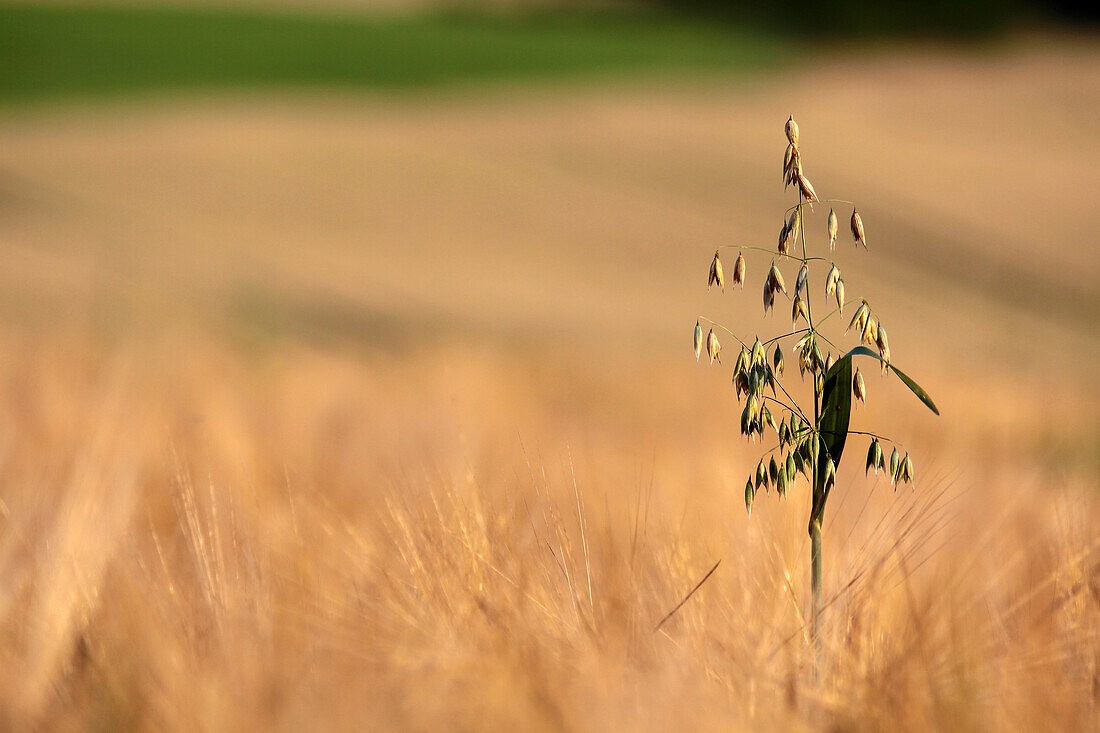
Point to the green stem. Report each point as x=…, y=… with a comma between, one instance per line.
x=815, y=583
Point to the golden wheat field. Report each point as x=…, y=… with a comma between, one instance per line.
x=369, y=413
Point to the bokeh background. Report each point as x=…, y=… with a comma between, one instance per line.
x=345, y=377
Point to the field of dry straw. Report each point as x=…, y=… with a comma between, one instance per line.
x=332, y=413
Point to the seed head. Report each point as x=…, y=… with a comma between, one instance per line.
x=742, y=360
x=794, y=171
x=758, y=353
x=907, y=468
x=859, y=318
x=698, y=341
x=750, y=494
x=715, y=277
x=713, y=347
x=777, y=359
x=857, y=229
x=792, y=130
x=788, y=160
x=798, y=310
x=883, y=344
x=895, y=465
x=832, y=228
x=773, y=471
x=874, y=454
x=831, y=281
x=794, y=222
x=859, y=388
x=806, y=188
x=870, y=331
x=828, y=363
x=803, y=276
x=786, y=238
x=830, y=472
x=840, y=296
x=761, y=475
x=739, y=271
x=775, y=277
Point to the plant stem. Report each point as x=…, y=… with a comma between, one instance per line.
x=815, y=582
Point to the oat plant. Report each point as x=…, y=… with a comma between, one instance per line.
x=808, y=439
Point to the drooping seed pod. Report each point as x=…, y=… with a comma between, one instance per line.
x=698, y=343
x=715, y=277
x=746, y=422
x=750, y=494
x=895, y=463
x=828, y=362
x=713, y=347
x=819, y=359
x=739, y=271
x=798, y=310
x=870, y=331
x=831, y=280
x=784, y=433
x=783, y=482
x=830, y=473
x=767, y=419
x=907, y=468
x=840, y=296
x=806, y=188
x=857, y=229
x=761, y=475
x=775, y=277
x=773, y=471
x=883, y=344
x=792, y=469
x=803, y=276
x=777, y=359
x=741, y=383
x=819, y=382
x=791, y=128
x=742, y=360
x=794, y=172
x=788, y=159
x=786, y=239
x=758, y=358
x=794, y=223
x=858, y=387
x=832, y=228
x=871, y=457
x=864, y=311
x=769, y=295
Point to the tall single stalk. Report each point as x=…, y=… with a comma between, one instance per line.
x=812, y=450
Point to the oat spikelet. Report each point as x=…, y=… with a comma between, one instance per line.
x=807, y=190
x=798, y=310
x=857, y=229
x=775, y=277
x=840, y=296
x=831, y=280
x=698, y=341
x=715, y=277
x=859, y=388
x=832, y=228
x=739, y=271
x=791, y=129
x=713, y=347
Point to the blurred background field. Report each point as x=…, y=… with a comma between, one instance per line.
x=345, y=378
